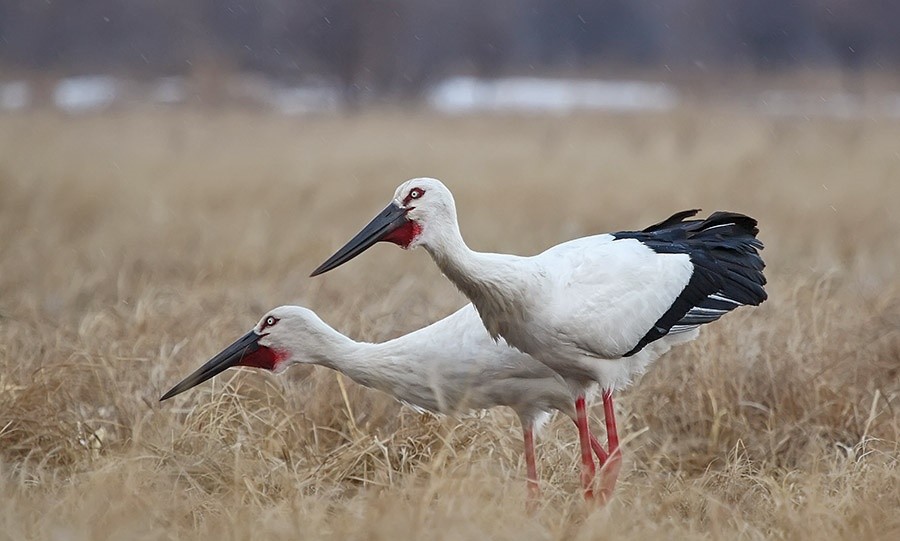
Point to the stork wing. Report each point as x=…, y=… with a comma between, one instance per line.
x=727, y=269
x=617, y=293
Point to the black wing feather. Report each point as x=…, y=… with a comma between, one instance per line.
x=727, y=268
x=673, y=220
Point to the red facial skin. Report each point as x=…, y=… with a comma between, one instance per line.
x=404, y=235
x=264, y=357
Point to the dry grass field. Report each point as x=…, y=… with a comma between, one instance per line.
x=135, y=245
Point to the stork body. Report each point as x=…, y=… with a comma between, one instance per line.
x=595, y=309
x=451, y=366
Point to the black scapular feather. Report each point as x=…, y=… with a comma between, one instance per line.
x=728, y=270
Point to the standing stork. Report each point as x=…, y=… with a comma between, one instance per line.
x=594, y=309
x=450, y=366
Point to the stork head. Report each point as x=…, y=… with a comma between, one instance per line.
x=270, y=345
x=420, y=210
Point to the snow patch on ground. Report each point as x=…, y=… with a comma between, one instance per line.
x=14, y=95
x=529, y=94
x=455, y=95
x=88, y=93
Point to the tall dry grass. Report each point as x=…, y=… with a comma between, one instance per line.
x=136, y=245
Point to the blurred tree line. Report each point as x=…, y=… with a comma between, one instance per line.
x=397, y=46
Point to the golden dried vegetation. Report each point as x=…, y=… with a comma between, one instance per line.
x=137, y=244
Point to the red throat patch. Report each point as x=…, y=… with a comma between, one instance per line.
x=404, y=235
x=264, y=357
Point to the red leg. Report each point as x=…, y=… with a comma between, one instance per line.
x=597, y=447
x=601, y=453
x=534, y=491
x=610, y=470
x=587, y=461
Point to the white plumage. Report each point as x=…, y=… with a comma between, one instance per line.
x=595, y=309
x=451, y=366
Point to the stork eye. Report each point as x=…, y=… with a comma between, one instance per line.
x=416, y=193
x=271, y=320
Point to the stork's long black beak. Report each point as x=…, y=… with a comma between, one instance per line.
x=387, y=221
x=240, y=352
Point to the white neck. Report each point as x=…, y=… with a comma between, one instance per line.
x=384, y=366
x=497, y=284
